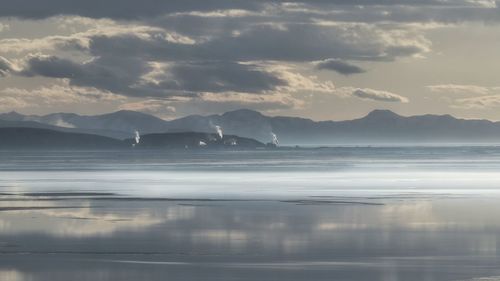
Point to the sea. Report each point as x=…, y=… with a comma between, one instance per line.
x=330, y=213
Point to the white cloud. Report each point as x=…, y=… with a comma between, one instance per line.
x=480, y=97
x=371, y=94
x=483, y=3
x=378, y=95
x=59, y=94
x=233, y=13
x=4, y=26
x=79, y=41
x=298, y=82
x=463, y=89
x=482, y=102
x=264, y=102
x=6, y=66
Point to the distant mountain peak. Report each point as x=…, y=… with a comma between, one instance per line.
x=381, y=113
x=127, y=113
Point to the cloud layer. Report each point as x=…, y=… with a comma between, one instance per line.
x=339, y=66
x=222, y=54
x=378, y=95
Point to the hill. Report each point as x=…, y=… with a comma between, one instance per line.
x=34, y=138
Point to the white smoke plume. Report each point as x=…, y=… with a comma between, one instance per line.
x=61, y=123
x=137, y=137
x=202, y=143
x=275, y=139
x=218, y=129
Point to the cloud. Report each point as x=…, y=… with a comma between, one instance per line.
x=450, y=12
x=54, y=95
x=5, y=66
x=377, y=95
x=286, y=42
x=9, y=102
x=131, y=76
x=152, y=59
x=112, y=74
x=117, y=75
x=219, y=76
x=78, y=42
x=4, y=26
x=117, y=9
x=482, y=102
x=210, y=102
x=298, y=82
x=134, y=10
x=251, y=49
x=482, y=96
x=462, y=89
x=258, y=102
x=51, y=66
x=339, y=66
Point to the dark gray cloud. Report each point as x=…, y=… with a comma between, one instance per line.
x=292, y=42
x=110, y=74
x=125, y=76
x=51, y=66
x=132, y=9
x=339, y=66
x=117, y=9
x=221, y=77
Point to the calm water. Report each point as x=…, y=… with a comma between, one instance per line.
x=319, y=214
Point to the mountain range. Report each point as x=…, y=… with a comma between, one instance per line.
x=378, y=127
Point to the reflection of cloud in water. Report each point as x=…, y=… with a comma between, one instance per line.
x=411, y=215
x=389, y=242
x=85, y=220
x=490, y=278
x=232, y=238
x=13, y=275
x=328, y=226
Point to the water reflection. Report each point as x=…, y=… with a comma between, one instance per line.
x=340, y=214
x=411, y=239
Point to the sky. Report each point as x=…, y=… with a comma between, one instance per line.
x=320, y=59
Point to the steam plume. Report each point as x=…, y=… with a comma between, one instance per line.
x=137, y=137
x=218, y=129
x=275, y=139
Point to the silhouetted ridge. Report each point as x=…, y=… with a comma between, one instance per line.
x=33, y=138
x=378, y=126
